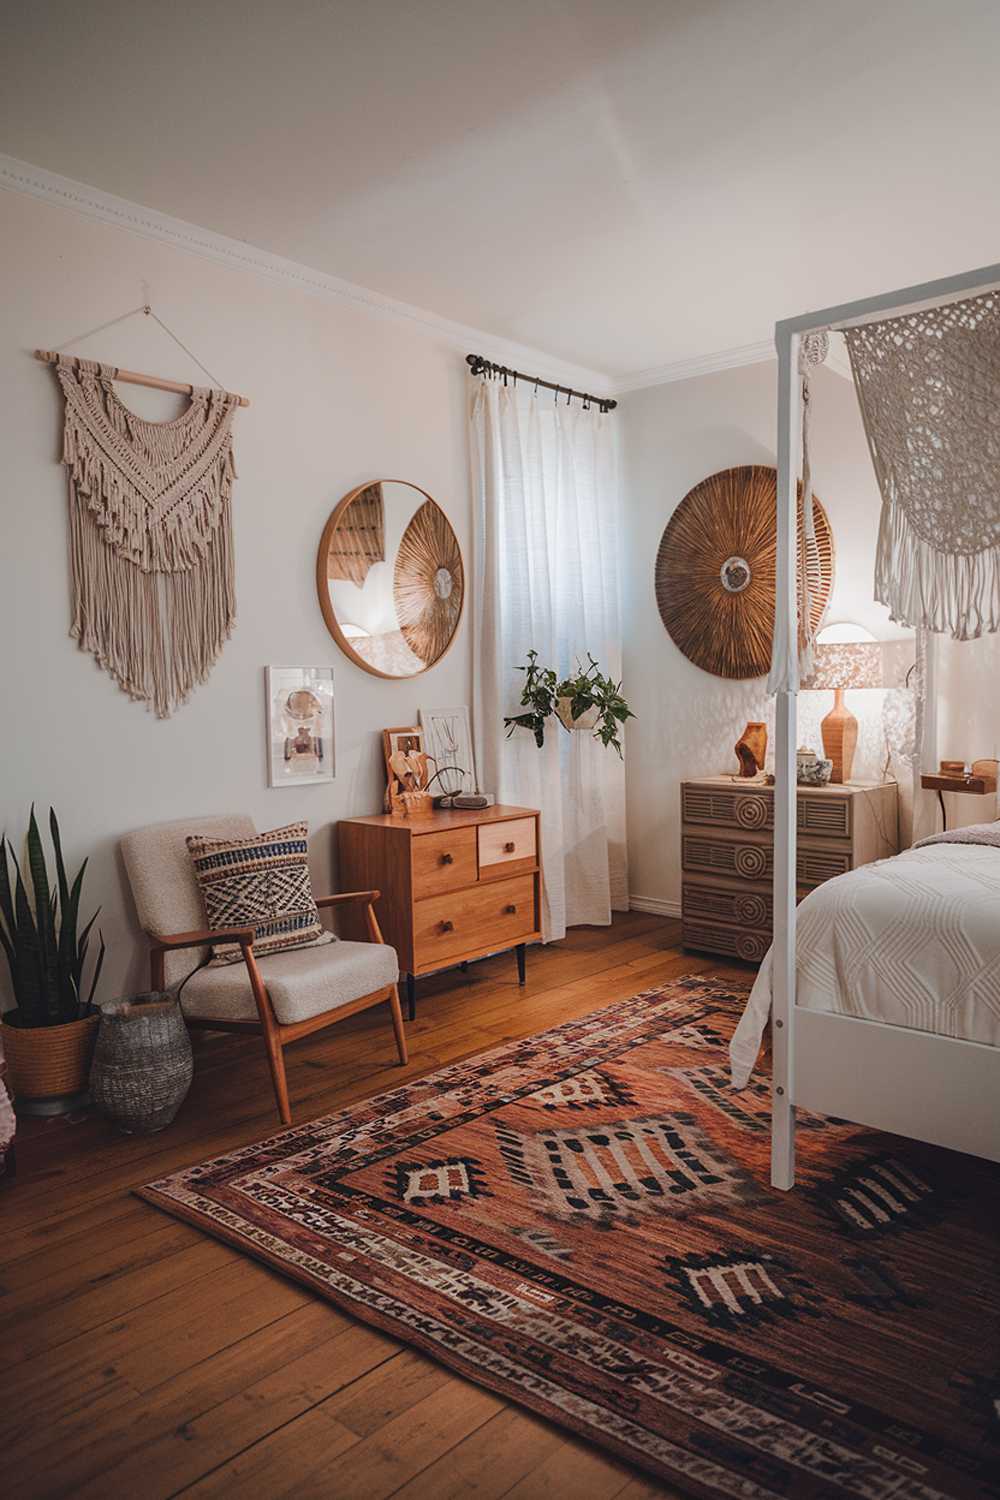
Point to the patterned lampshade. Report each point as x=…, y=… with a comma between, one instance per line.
x=846, y=664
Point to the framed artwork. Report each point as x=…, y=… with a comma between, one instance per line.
x=448, y=736
x=300, y=745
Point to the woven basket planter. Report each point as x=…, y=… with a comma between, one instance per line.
x=587, y=720
x=48, y=1064
x=142, y=1065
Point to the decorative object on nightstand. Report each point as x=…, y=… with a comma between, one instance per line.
x=977, y=780
x=844, y=656
x=142, y=1066
x=751, y=748
x=811, y=769
x=727, y=853
x=715, y=571
x=455, y=886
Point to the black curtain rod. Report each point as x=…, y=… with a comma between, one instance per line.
x=480, y=366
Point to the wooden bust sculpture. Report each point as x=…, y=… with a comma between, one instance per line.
x=751, y=748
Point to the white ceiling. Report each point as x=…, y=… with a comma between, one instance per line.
x=622, y=183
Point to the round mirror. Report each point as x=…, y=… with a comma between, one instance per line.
x=390, y=578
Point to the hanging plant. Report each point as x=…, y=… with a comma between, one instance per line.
x=587, y=701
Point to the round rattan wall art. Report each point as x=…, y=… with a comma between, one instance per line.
x=715, y=571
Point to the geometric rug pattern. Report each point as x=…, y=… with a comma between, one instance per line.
x=583, y=1222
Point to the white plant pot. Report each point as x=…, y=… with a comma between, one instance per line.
x=587, y=720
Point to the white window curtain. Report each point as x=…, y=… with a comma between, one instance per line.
x=547, y=518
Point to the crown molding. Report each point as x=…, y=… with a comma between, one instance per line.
x=93, y=203
x=723, y=359
x=698, y=364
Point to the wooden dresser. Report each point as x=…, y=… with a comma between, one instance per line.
x=456, y=886
x=727, y=853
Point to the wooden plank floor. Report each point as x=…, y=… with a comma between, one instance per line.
x=142, y=1359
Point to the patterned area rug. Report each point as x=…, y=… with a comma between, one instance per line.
x=582, y=1221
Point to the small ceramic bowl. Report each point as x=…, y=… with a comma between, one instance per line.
x=815, y=772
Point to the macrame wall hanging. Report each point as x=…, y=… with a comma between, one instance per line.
x=151, y=545
x=928, y=385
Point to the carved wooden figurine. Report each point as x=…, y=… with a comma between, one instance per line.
x=751, y=748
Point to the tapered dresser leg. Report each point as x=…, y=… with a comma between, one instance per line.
x=520, y=950
x=411, y=998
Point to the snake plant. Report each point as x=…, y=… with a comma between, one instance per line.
x=45, y=953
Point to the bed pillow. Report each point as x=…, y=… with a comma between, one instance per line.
x=260, y=882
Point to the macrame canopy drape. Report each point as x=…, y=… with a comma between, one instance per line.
x=928, y=385
x=151, y=544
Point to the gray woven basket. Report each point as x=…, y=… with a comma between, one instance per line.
x=142, y=1064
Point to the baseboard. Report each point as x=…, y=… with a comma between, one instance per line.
x=655, y=905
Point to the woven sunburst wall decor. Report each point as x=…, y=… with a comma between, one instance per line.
x=715, y=571
x=428, y=583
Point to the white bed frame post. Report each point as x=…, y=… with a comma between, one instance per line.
x=831, y=1071
x=786, y=734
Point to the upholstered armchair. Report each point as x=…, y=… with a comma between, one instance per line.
x=282, y=996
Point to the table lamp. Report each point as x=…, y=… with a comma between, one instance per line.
x=844, y=656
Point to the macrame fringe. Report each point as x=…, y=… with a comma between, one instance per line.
x=956, y=594
x=157, y=634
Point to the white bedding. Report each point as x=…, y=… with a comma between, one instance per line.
x=912, y=941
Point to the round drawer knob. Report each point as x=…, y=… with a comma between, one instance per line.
x=510, y=910
x=751, y=861
x=751, y=947
x=447, y=927
x=447, y=859
x=509, y=848
x=751, y=812
x=752, y=910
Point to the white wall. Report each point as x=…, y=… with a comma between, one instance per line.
x=339, y=395
x=688, y=721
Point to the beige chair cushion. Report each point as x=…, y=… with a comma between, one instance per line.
x=163, y=882
x=301, y=984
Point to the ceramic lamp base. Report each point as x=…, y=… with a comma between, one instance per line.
x=840, y=738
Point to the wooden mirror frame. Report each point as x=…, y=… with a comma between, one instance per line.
x=323, y=584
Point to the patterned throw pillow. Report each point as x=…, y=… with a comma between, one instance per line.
x=262, y=882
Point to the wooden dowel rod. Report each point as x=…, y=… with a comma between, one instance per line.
x=132, y=377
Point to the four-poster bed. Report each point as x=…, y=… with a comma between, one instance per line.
x=935, y=1088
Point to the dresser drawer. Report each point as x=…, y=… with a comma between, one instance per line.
x=731, y=903
x=746, y=861
x=506, y=848
x=721, y=808
x=825, y=817
x=814, y=865
x=727, y=857
x=443, y=861
x=820, y=814
x=735, y=942
x=500, y=912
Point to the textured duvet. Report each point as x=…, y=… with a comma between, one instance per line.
x=912, y=941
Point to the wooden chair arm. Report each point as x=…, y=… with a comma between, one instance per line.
x=201, y=938
x=369, y=896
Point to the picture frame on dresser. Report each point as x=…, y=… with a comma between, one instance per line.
x=727, y=857
x=454, y=887
x=448, y=741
